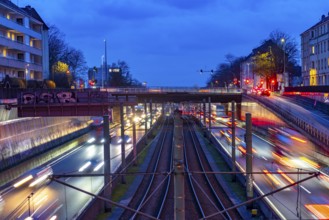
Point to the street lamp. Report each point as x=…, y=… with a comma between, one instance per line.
x=105, y=66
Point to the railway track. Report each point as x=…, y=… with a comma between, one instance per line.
x=153, y=190
x=209, y=196
x=203, y=194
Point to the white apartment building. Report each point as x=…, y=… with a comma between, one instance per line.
x=315, y=53
x=24, y=49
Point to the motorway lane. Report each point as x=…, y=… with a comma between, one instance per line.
x=55, y=199
x=313, y=191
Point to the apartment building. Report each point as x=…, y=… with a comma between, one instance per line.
x=24, y=49
x=315, y=53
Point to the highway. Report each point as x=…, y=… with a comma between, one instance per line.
x=52, y=200
x=290, y=153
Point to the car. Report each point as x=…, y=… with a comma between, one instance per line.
x=92, y=165
x=118, y=140
x=265, y=92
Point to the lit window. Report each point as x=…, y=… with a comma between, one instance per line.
x=313, y=50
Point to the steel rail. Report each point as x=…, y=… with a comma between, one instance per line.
x=186, y=162
x=218, y=200
x=147, y=192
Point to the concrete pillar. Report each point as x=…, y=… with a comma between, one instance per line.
x=204, y=112
x=163, y=109
x=200, y=108
x=238, y=111
x=123, y=143
x=134, y=137
x=249, y=185
x=107, y=163
x=151, y=113
x=209, y=109
x=233, y=142
x=145, y=112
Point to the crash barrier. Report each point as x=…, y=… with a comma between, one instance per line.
x=305, y=122
x=7, y=175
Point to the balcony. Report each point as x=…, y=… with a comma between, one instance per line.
x=14, y=63
x=19, y=46
x=16, y=26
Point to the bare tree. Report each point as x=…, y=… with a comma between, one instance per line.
x=57, y=46
x=288, y=45
x=76, y=61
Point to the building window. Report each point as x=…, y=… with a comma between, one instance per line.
x=318, y=67
x=313, y=64
x=20, y=56
x=313, y=49
x=19, y=21
x=312, y=34
x=325, y=46
x=19, y=39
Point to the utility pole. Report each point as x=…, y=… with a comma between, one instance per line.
x=107, y=163
x=233, y=142
x=248, y=137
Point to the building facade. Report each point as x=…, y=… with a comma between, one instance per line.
x=24, y=51
x=315, y=54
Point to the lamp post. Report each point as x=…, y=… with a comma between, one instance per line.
x=105, y=66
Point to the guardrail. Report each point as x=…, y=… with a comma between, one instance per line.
x=11, y=93
x=315, y=131
x=172, y=90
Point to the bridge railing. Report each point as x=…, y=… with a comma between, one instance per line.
x=172, y=89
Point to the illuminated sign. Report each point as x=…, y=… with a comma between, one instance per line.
x=114, y=70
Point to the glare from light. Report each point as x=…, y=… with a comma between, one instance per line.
x=310, y=162
x=85, y=166
x=103, y=140
x=298, y=139
x=286, y=177
x=321, y=211
x=128, y=140
x=242, y=149
x=99, y=166
x=271, y=177
x=136, y=119
x=91, y=140
x=21, y=182
x=53, y=217
x=305, y=189
x=38, y=180
x=40, y=201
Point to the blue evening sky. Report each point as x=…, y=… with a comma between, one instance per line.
x=166, y=42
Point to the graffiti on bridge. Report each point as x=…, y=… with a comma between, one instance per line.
x=47, y=97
